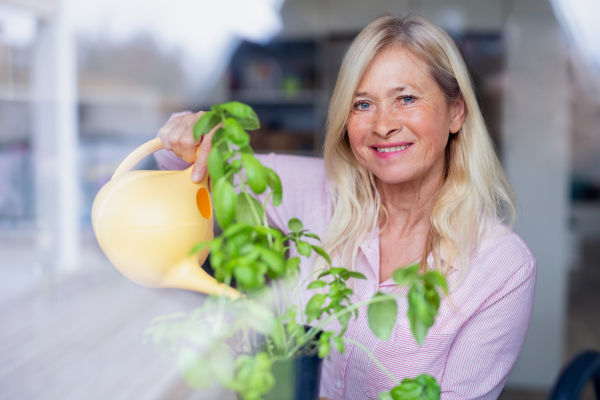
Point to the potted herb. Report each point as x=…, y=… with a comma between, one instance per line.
x=267, y=344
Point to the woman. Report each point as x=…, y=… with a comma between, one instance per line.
x=409, y=174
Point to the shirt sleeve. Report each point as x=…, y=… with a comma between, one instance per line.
x=486, y=348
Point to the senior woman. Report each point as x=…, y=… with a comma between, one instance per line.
x=409, y=175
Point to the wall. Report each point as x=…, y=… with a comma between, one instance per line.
x=536, y=157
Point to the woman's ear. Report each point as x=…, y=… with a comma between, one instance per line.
x=458, y=113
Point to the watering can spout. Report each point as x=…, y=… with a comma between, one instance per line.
x=187, y=275
x=146, y=222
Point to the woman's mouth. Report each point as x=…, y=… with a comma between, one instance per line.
x=392, y=149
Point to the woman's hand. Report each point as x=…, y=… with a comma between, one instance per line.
x=177, y=135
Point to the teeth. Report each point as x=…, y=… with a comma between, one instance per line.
x=388, y=149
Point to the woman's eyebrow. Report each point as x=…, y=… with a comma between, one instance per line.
x=398, y=89
x=392, y=91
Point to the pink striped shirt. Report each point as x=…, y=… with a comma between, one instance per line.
x=470, y=352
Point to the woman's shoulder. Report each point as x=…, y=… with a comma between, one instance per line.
x=503, y=253
x=502, y=240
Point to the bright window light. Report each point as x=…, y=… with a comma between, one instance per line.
x=206, y=31
x=581, y=21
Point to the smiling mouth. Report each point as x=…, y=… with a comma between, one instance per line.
x=391, y=149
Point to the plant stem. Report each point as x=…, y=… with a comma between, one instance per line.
x=313, y=331
x=279, y=312
x=364, y=348
x=264, y=221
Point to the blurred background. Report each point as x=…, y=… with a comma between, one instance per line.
x=84, y=82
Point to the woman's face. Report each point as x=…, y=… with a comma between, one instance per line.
x=400, y=122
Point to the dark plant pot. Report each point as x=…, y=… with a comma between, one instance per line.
x=298, y=378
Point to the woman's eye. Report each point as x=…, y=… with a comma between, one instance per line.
x=408, y=99
x=362, y=106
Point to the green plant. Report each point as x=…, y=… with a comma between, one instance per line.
x=237, y=342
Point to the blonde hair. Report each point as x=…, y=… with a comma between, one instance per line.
x=475, y=194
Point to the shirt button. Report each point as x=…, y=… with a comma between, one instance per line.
x=338, y=384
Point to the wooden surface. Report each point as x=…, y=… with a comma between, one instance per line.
x=80, y=336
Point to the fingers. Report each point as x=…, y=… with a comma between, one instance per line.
x=200, y=165
x=178, y=136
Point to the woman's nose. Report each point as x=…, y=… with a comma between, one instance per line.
x=386, y=123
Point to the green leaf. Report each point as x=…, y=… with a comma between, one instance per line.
x=436, y=279
x=313, y=306
x=385, y=396
x=275, y=184
x=356, y=275
x=338, y=271
x=339, y=344
x=246, y=276
x=235, y=133
x=322, y=253
x=216, y=259
x=334, y=289
x=344, y=274
x=382, y=316
x=254, y=377
x=236, y=228
x=433, y=299
x=418, y=302
x=205, y=123
x=344, y=319
x=248, y=210
x=407, y=275
x=312, y=235
x=292, y=264
x=217, y=137
x=304, y=248
x=407, y=390
x=236, y=165
x=432, y=388
x=255, y=172
x=247, y=149
x=275, y=261
x=200, y=246
x=324, y=273
x=224, y=202
x=241, y=112
x=418, y=317
x=295, y=225
x=324, y=349
x=215, y=165
x=317, y=285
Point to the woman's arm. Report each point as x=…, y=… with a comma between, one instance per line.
x=486, y=348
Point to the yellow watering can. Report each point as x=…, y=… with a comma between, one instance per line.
x=148, y=221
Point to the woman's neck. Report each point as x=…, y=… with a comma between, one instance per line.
x=409, y=205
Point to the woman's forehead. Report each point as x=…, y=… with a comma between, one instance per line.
x=395, y=69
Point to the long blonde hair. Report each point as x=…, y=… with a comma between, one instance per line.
x=475, y=194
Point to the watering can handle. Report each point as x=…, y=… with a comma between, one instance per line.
x=138, y=155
